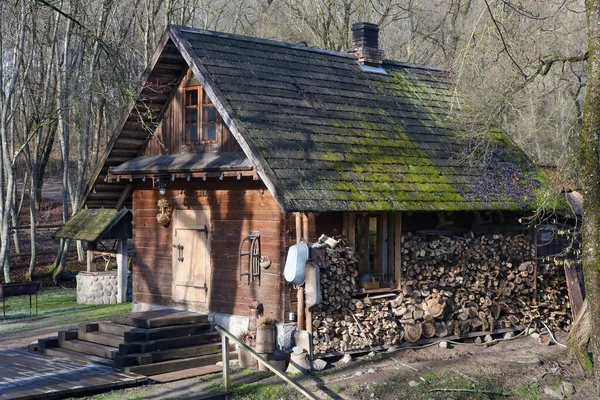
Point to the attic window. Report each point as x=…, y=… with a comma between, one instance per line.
x=373, y=69
x=200, y=116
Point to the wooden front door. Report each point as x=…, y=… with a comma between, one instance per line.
x=191, y=255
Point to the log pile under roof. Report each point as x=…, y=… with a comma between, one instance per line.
x=451, y=285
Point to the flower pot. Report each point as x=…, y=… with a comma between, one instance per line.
x=253, y=316
x=265, y=339
x=245, y=358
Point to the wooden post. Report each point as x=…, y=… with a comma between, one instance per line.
x=122, y=271
x=300, y=291
x=574, y=289
x=91, y=266
x=225, y=350
x=308, y=316
x=397, y=248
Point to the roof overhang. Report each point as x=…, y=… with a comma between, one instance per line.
x=93, y=225
x=183, y=163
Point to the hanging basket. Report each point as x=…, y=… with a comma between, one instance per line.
x=164, y=216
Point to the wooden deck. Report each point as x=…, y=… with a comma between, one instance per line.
x=25, y=375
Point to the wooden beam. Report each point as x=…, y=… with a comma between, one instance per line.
x=91, y=266
x=352, y=230
x=124, y=196
x=225, y=359
x=398, y=249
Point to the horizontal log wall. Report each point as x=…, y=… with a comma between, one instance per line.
x=236, y=209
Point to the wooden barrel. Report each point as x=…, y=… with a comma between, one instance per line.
x=265, y=339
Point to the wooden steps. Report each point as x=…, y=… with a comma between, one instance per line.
x=175, y=365
x=107, y=339
x=94, y=349
x=186, y=373
x=126, y=360
x=158, y=319
x=65, y=353
x=153, y=343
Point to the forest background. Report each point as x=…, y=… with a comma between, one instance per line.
x=68, y=68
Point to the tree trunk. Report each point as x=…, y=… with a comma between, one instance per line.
x=589, y=165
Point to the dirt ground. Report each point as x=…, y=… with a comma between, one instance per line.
x=515, y=369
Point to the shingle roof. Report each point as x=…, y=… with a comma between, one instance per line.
x=332, y=137
x=93, y=225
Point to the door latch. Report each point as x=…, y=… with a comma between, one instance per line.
x=179, y=248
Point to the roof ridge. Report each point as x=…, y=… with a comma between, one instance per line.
x=417, y=66
x=269, y=42
x=278, y=43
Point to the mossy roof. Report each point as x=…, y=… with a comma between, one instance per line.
x=92, y=225
x=332, y=137
x=325, y=135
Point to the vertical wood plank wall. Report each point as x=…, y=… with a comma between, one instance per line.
x=171, y=132
x=235, y=211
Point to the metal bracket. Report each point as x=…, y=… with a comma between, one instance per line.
x=179, y=247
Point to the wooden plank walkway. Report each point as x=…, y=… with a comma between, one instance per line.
x=25, y=375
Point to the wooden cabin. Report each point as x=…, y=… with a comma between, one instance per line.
x=237, y=146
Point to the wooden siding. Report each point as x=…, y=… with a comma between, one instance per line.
x=236, y=208
x=171, y=132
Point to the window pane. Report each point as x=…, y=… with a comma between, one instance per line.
x=373, y=225
x=205, y=98
x=209, y=115
x=191, y=97
x=209, y=132
x=191, y=116
x=191, y=133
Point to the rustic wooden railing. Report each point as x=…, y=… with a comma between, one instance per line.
x=226, y=335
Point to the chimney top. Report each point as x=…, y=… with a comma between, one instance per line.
x=365, y=38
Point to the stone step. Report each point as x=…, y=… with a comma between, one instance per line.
x=70, y=354
x=141, y=335
x=171, y=343
x=114, y=329
x=177, y=365
x=94, y=349
x=101, y=338
x=128, y=360
x=159, y=318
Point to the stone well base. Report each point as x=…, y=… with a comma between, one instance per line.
x=99, y=287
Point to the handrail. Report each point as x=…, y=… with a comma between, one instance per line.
x=226, y=335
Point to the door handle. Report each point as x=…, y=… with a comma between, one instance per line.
x=179, y=248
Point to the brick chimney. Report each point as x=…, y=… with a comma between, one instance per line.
x=365, y=38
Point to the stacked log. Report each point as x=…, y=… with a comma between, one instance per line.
x=451, y=285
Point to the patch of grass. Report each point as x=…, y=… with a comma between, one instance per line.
x=130, y=394
x=526, y=392
x=56, y=306
x=336, y=388
x=264, y=391
x=210, y=377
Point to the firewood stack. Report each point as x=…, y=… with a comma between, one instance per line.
x=451, y=285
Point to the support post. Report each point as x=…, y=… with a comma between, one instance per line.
x=122, y=271
x=300, y=291
x=398, y=249
x=91, y=247
x=308, y=315
x=225, y=349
